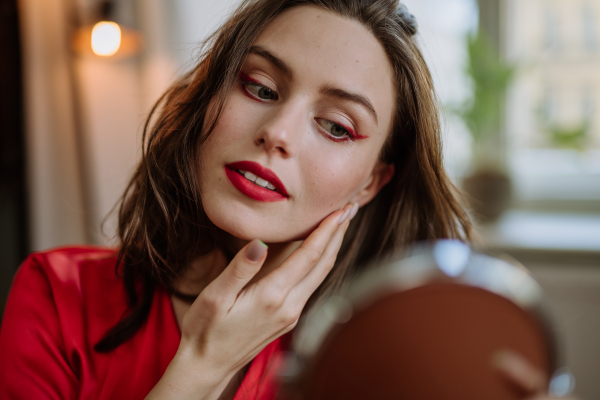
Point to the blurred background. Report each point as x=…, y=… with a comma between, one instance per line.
x=519, y=81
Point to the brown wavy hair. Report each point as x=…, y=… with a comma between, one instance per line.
x=162, y=225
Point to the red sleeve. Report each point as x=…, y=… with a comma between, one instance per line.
x=32, y=347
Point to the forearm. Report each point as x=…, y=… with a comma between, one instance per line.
x=186, y=377
x=213, y=348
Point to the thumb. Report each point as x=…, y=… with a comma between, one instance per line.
x=246, y=263
x=519, y=371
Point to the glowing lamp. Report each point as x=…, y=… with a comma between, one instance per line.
x=106, y=38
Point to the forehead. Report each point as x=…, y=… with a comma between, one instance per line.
x=324, y=49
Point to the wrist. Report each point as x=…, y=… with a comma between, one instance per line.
x=188, y=376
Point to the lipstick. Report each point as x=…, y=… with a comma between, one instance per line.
x=262, y=177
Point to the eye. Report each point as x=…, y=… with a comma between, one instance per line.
x=257, y=90
x=260, y=91
x=337, y=132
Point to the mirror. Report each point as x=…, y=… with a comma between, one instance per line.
x=424, y=325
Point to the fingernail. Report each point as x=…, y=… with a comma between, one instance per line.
x=354, y=211
x=344, y=216
x=256, y=250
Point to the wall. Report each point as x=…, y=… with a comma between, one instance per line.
x=573, y=293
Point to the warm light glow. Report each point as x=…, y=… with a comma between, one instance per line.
x=106, y=38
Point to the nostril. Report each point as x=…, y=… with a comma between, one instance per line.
x=275, y=141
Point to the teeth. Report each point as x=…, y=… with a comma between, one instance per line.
x=258, y=181
x=250, y=176
x=261, y=182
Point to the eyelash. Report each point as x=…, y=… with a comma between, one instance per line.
x=349, y=132
x=246, y=81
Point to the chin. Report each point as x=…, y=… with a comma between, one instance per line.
x=247, y=224
x=265, y=231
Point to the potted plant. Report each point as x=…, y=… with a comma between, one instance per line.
x=487, y=184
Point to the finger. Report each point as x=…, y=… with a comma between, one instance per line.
x=519, y=371
x=306, y=287
x=303, y=259
x=246, y=263
x=546, y=396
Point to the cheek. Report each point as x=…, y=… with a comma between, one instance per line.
x=228, y=131
x=332, y=181
x=229, y=128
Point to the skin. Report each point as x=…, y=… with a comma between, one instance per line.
x=291, y=133
x=294, y=135
x=518, y=372
x=287, y=135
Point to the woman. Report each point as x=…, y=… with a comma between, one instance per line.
x=310, y=124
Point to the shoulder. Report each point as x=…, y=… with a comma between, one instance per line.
x=60, y=303
x=75, y=275
x=78, y=281
x=71, y=292
x=67, y=266
x=63, y=261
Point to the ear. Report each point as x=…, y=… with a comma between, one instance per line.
x=381, y=175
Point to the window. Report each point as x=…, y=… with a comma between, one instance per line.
x=552, y=126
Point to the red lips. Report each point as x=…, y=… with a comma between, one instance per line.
x=252, y=190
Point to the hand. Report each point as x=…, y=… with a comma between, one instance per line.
x=234, y=318
x=521, y=373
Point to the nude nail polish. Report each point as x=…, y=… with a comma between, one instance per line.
x=256, y=250
x=354, y=211
x=344, y=216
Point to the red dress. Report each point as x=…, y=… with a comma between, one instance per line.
x=61, y=303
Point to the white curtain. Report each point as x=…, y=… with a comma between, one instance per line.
x=56, y=195
x=84, y=116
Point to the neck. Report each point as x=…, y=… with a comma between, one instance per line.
x=203, y=270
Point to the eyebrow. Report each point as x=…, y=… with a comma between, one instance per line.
x=277, y=62
x=327, y=90
x=353, y=97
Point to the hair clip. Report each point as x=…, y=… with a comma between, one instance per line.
x=408, y=20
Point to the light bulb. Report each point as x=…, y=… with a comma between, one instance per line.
x=106, y=38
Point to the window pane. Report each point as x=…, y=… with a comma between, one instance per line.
x=552, y=124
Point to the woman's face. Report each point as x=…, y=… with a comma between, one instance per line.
x=309, y=115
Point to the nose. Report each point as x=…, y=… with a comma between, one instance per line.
x=282, y=130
